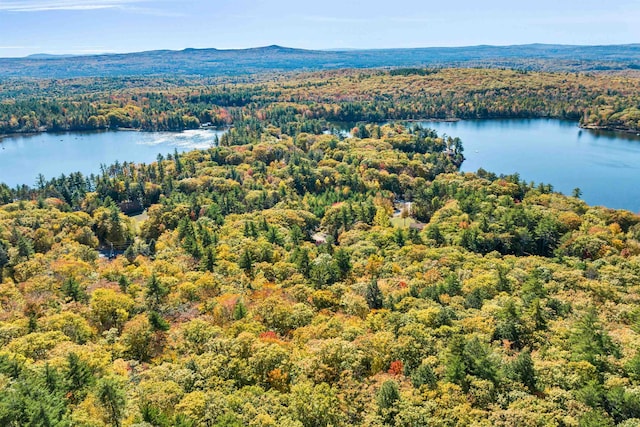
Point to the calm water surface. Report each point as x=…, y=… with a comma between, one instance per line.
x=604, y=165
x=22, y=158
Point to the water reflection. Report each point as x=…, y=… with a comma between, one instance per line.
x=23, y=157
x=604, y=165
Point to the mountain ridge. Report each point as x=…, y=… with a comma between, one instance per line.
x=276, y=47
x=214, y=62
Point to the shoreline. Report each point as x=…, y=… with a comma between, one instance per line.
x=35, y=133
x=451, y=120
x=610, y=129
x=448, y=120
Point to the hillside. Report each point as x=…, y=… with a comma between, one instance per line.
x=269, y=285
x=314, y=102
x=213, y=62
x=283, y=278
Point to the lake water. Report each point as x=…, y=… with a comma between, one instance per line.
x=22, y=158
x=604, y=165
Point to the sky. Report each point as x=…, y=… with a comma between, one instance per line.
x=110, y=26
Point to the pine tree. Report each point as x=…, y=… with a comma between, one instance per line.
x=343, y=261
x=521, y=370
x=399, y=237
x=388, y=397
x=177, y=161
x=246, y=262
x=503, y=281
x=208, y=261
x=296, y=235
x=303, y=262
x=77, y=377
x=152, y=247
x=25, y=247
x=155, y=292
x=273, y=237
x=124, y=283
x=112, y=398
x=157, y=322
x=4, y=260
x=130, y=254
x=423, y=375
x=374, y=295
x=591, y=342
x=72, y=290
x=239, y=311
x=51, y=378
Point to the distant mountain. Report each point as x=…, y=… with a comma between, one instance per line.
x=48, y=56
x=234, y=62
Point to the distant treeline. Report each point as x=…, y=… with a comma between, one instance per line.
x=274, y=59
x=312, y=101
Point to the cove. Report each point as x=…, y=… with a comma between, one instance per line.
x=22, y=158
x=604, y=165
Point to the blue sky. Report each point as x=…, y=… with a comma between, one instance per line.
x=104, y=26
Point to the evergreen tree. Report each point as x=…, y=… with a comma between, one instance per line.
x=4, y=260
x=239, y=311
x=124, y=283
x=510, y=326
x=296, y=235
x=522, y=370
x=51, y=378
x=423, y=375
x=111, y=396
x=343, y=261
x=72, y=290
x=157, y=322
x=77, y=377
x=208, y=261
x=590, y=342
x=155, y=292
x=130, y=254
x=323, y=271
x=246, y=262
x=302, y=261
x=374, y=295
x=388, y=397
x=273, y=236
x=25, y=247
x=152, y=248
x=399, y=237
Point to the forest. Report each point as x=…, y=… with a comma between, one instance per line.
x=279, y=59
x=283, y=279
x=311, y=102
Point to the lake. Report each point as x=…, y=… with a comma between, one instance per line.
x=604, y=165
x=22, y=158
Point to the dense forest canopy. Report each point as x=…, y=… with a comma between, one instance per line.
x=292, y=276
x=278, y=280
x=312, y=102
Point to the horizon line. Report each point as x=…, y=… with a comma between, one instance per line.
x=106, y=52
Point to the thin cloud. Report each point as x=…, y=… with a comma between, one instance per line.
x=415, y=20
x=154, y=12
x=51, y=5
x=335, y=19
